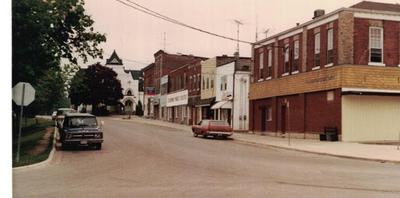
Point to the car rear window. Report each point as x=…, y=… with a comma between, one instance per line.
x=219, y=123
x=76, y=122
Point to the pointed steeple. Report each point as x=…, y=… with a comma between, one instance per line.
x=114, y=59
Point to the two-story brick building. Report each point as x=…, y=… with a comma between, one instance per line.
x=149, y=92
x=340, y=69
x=164, y=63
x=178, y=96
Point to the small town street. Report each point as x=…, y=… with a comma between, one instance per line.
x=139, y=160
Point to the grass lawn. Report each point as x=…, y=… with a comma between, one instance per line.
x=33, y=131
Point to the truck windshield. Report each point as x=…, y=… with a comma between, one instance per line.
x=219, y=123
x=75, y=122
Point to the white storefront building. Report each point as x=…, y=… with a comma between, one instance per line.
x=231, y=94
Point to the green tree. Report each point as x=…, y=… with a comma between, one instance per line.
x=78, y=89
x=139, y=109
x=51, y=92
x=96, y=85
x=46, y=31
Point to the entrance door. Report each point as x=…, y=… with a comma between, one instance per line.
x=263, y=119
x=173, y=114
x=283, y=119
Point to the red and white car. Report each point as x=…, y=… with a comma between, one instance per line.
x=215, y=128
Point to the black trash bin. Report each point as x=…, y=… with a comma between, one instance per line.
x=322, y=137
x=331, y=133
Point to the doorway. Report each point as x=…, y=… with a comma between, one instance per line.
x=283, y=118
x=263, y=118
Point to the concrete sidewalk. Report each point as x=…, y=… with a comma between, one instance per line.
x=382, y=153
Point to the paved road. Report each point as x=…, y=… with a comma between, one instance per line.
x=140, y=160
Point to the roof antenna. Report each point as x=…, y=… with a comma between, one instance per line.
x=266, y=33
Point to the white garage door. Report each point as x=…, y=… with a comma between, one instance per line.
x=370, y=118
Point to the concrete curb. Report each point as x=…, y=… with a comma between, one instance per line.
x=42, y=163
x=315, y=152
x=286, y=148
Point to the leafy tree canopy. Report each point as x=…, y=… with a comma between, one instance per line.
x=46, y=31
x=95, y=85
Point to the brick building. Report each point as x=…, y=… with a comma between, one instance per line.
x=178, y=96
x=149, y=91
x=340, y=69
x=194, y=73
x=164, y=63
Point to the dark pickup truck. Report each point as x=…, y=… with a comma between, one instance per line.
x=80, y=129
x=215, y=128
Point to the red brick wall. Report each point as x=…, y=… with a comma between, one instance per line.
x=280, y=58
x=194, y=69
x=148, y=76
x=335, y=42
x=361, y=41
x=391, y=43
x=255, y=114
x=257, y=64
x=320, y=112
x=310, y=49
x=294, y=114
x=178, y=79
x=309, y=112
x=323, y=43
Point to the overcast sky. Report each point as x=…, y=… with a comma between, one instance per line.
x=136, y=36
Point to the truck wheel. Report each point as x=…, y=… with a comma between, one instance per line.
x=64, y=146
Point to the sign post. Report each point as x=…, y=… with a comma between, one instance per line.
x=23, y=95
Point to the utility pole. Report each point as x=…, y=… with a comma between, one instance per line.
x=256, y=27
x=236, y=66
x=238, y=23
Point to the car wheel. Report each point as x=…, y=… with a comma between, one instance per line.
x=195, y=134
x=98, y=146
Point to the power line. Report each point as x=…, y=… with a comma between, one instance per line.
x=171, y=20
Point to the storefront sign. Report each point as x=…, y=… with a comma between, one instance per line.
x=178, y=98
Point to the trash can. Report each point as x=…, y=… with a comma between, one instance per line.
x=322, y=137
x=331, y=133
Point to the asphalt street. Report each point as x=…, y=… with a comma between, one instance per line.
x=139, y=160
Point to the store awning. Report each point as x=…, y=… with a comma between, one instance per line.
x=222, y=105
